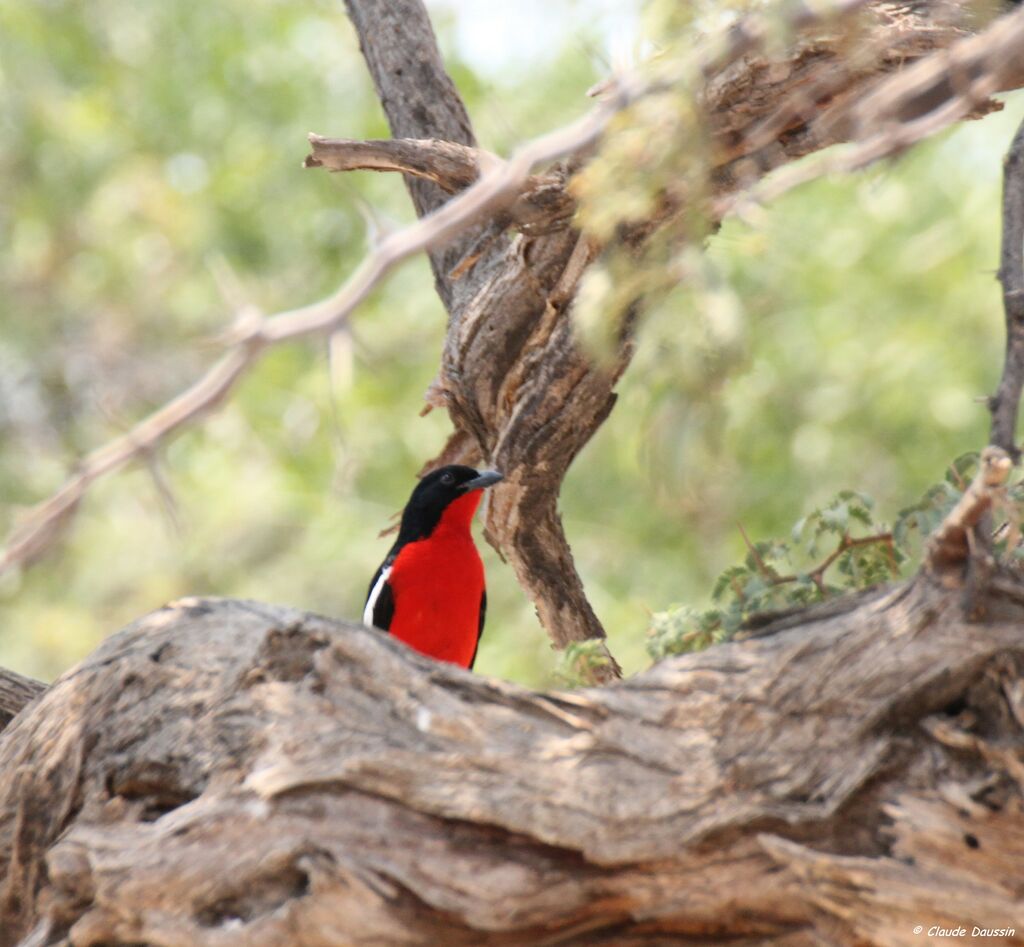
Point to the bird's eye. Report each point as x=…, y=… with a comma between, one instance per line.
x=448, y=478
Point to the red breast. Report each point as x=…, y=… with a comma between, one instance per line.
x=438, y=583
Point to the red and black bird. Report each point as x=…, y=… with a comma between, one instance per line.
x=429, y=592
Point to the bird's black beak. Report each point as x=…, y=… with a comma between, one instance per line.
x=487, y=478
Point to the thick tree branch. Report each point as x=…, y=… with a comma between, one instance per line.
x=1005, y=404
x=224, y=772
x=16, y=691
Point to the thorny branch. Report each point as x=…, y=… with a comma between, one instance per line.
x=254, y=333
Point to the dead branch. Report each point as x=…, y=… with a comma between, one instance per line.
x=1005, y=404
x=451, y=166
x=224, y=773
x=542, y=205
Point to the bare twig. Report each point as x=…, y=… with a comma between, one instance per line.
x=543, y=203
x=451, y=166
x=1005, y=404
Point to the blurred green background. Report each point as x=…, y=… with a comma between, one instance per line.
x=842, y=337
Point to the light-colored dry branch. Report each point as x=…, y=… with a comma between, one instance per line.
x=251, y=336
x=949, y=548
x=451, y=166
x=542, y=204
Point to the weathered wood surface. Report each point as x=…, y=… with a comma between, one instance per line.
x=521, y=394
x=224, y=772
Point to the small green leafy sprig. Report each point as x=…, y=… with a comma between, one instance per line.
x=834, y=549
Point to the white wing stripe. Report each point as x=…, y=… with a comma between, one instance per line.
x=371, y=602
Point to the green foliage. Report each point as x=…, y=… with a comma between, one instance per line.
x=841, y=539
x=680, y=629
x=835, y=548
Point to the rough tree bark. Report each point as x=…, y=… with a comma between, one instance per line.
x=226, y=772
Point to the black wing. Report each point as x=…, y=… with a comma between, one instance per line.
x=480, y=628
x=380, y=600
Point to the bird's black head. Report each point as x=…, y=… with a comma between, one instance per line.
x=435, y=493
